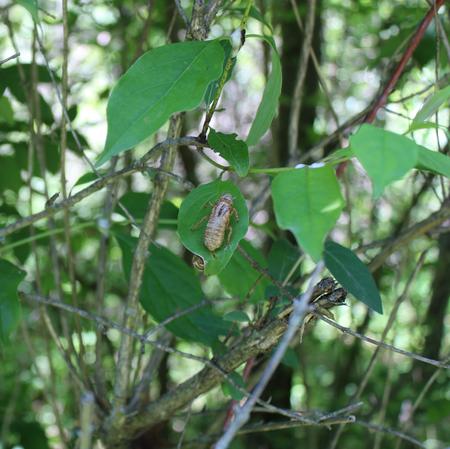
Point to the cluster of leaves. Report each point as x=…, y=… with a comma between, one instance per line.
x=307, y=200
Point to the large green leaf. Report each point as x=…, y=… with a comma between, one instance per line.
x=269, y=103
x=352, y=274
x=433, y=161
x=233, y=150
x=433, y=104
x=308, y=202
x=10, y=278
x=197, y=206
x=163, y=81
x=385, y=156
x=250, y=283
x=170, y=286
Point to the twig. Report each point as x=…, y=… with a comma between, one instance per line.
x=15, y=55
x=137, y=270
x=182, y=12
x=372, y=341
x=300, y=310
x=154, y=362
x=296, y=104
x=86, y=420
x=418, y=401
x=188, y=417
x=386, y=329
x=390, y=431
x=409, y=234
x=317, y=67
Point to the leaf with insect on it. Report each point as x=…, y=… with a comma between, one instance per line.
x=198, y=205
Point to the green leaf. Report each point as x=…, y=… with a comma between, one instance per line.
x=6, y=111
x=231, y=149
x=415, y=126
x=433, y=104
x=214, y=85
x=269, y=103
x=230, y=390
x=237, y=315
x=308, y=202
x=31, y=6
x=255, y=13
x=291, y=359
x=170, y=286
x=86, y=179
x=282, y=257
x=352, y=274
x=250, y=283
x=163, y=81
x=433, y=161
x=136, y=203
x=385, y=156
x=10, y=278
x=197, y=206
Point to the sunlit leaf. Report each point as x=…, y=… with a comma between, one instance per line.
x=163, y=81
x=269, y=103
x=433, y=104
x=308, y=202
x=31, y=6
x=385, y=156
x=433, y=161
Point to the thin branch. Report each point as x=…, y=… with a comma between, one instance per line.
x=296, y=105
x=316, y=66
x=298, y=315
x=137, y=270
x=182, y=12
x=424, y=226
x=137, y=166
x=390, y=431
x=387, y=328
x=15, y=55
x=86, y=420
x=372, y=341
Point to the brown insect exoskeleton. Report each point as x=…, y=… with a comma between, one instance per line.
x=218, y=222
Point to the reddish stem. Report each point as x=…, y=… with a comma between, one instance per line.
x=412, y=45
